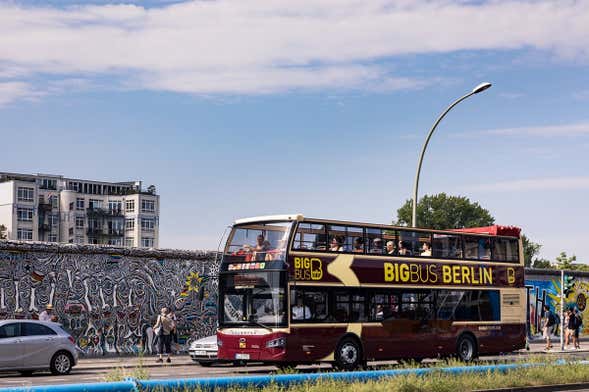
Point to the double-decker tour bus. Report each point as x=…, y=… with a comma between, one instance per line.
x=299, y=290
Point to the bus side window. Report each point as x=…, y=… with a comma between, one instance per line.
x=310, y=236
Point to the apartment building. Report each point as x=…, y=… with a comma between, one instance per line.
x=52, y=208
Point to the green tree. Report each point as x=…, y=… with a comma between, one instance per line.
x=445, y=212
x=2, y=232
x=531, y=251
x=565, y=262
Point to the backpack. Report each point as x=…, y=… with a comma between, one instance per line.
x=551, y=319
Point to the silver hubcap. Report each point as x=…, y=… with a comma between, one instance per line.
x=466, y=350
x=62, y=363
x=349, y=353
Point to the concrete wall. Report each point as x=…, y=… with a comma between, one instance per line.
x=544, y=289
x=108, y=297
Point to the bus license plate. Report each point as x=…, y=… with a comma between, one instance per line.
x=201, y=353
x=242, y=356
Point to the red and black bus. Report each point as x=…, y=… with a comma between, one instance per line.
x=301, y=290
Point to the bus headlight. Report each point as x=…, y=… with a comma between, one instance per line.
x=275, y=343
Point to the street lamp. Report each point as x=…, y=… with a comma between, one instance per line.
x=480, y=88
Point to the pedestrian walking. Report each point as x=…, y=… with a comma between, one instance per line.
x=163, y=328
x=548, y=322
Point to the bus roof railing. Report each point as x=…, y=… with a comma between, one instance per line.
x=270, y=218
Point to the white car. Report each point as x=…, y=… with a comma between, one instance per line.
x=204, y=351
x=29, y=345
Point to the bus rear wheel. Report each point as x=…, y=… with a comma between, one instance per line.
x=466, y=349
x=348, y=355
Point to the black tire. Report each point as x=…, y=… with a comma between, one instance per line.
x=466, y=348
x=205, y=364
x=61, y=363
x=348, y=354
x=26, y=373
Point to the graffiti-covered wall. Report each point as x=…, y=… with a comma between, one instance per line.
x=544, y=288
x=107, y=297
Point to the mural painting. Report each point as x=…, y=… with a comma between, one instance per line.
x=108, y=298
x=545, y=289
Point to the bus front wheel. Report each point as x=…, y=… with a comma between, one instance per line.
x=466, y=348
x=348, y=355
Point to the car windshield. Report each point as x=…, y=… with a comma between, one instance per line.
x=253, y=298
x=258, y=241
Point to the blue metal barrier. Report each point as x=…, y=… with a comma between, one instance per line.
x=120, y=386
x=206, y=384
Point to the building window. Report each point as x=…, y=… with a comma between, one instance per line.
x=53, y=219
x=48, y=184
x=25, y=194
x=130, y=242
x=24, y=234
x=114, y=206
x=147, y=206
x=79, y=239
x=79, y=203
x=24, y=214
x=80, y=222
x=130, y=205
x=147, y=242
x=115, y=241
x=52, y=238
x=95, y=204
x=130, y=224
x=53, y=200
x=147, y=224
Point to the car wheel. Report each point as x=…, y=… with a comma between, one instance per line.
x=26, y=373
x=466, y=348
x=61, y=363
x=348, y=355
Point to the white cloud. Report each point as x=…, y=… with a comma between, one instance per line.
x=538, y=184
x=260, y=46
x=574, y=129
x=12, y=91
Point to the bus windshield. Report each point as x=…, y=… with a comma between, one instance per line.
x=252, y=298
x=258, y=242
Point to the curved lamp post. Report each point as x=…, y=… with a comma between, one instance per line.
x=480, y=88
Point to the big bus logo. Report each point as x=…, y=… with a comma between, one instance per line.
x=308, y=268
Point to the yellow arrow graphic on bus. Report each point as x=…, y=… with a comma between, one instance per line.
x=341, y=269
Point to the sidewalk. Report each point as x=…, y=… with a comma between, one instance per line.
x=148, y=361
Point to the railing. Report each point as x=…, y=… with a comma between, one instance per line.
x=92, y=211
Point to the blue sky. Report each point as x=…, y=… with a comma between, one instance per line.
x=237, y=109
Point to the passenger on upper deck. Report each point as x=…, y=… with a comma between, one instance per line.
x=336, y=245
x=391, y=248
x=358, y=245
x=426, y=249
x=376, y=246
x=403, y=251
x=261, y=248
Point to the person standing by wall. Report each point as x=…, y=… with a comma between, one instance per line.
x=548, y=322
x=163, y=328
x=47, y=314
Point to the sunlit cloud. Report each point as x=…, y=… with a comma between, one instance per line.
x=268, y=46
x=574, y=129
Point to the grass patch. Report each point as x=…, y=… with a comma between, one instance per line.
x=120, y=373
x=545, y=372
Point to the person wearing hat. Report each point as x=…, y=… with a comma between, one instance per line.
x=47, y=314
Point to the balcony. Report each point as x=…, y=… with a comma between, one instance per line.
x=43, y=206
x=95, y=231
x=116, y=233
x=103, y=212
